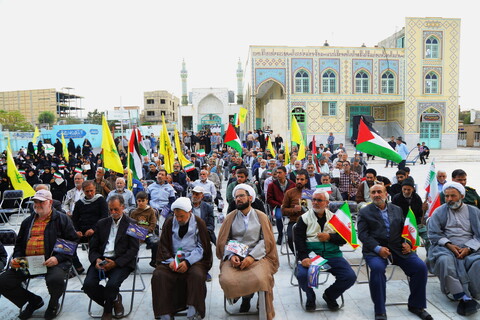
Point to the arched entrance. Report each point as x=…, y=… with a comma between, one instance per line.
x=269, y=103
x=357, y=111
x=431, y=128
x=212, y=122
x=299, y=114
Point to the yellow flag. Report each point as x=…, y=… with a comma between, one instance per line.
x=270, y=146
x=287, y=155
x=301, y=151
x=178, y=146
x=296, y=132
x=243, y=114
x=18, y=181
x=65, y=149
x=166, y=148
x=36, y=134
x=111, y=159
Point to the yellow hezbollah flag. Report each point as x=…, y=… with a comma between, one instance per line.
x=18, y=181
x=183, y=161
x=166, y=148
x=243, y=114
x=36, y=134
x=111, y=159
x=296, y=132
x=287, y=155
x=270, y=146
x=65, y=149
x=301, y=151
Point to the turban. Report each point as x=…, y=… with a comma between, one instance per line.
x=454, y=185
x=182, y=203
x=246, y=187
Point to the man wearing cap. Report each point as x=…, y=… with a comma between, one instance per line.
x=204, y=211
x=408, y=198
x=152, y=171
x=454, y=233
x=112, y=256
x=380, y=226
x=37, y=237
x=184, y=236
x=247, y=271
x=161, y=193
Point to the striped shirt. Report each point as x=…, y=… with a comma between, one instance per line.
x=35, y=245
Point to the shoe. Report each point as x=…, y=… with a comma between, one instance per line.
x=279, y=241
x=245, y=306
x=209, y=277
x=33, y=304
x=466, y=308
x=311, y=300
x=118, y=307
x=421, y=313
x=331, y=303
x=107, y=316
x=153, y=264
x=380, y=316
x=52, y=310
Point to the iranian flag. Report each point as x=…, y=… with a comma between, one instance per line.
x=57, y=176
x=343, y=224
x=78, y=170
x=189, y=167
x=201, y=153
x=318, y=261
x=232, y=140
x=431, y=187
x=370, y=142
x=136, y=152
x=410, y=230
x=177, y=260
x=236, y=120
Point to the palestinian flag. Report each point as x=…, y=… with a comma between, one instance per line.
x=78, y=170
x=136, y=152
x=370, y=142
x=343, y=224
x=410, y=230
x=232, y=140
x=201, y=153
x=431, y=187
x=189, y=167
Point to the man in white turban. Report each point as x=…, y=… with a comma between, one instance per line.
x=250, y=259
x=454, y=232
x=183, y=260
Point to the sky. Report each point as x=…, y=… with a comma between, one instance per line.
x=110, y=52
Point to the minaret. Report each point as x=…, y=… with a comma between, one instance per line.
x=239, y=83
x=184, y=75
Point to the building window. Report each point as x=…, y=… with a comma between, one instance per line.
x=329, y=82
x=462, y=135
x=162, y=101
x=477, y=137
x=302, y=82
x=431, y=48
x=431, y=83
x=150, y=113
x=162, y=113
x=388, y=83
x=401, y=42
x=150, y=101
x=329, y=108
x=362, y=82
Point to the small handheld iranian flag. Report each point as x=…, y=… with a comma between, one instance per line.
x=410, y=230
x=232, y=140
x=189, y=167
x=78, y=170
x=57, y=176
x=431, y=187
x=201, y=152
x=236, y=120
x=325, y=187
x=370, y=142
x=318, y=261
x=178, y=258
x=344, y=226
x=21, y=171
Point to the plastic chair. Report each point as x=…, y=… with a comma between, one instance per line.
x=17, y=197
x=8, y=237
x=320, y=283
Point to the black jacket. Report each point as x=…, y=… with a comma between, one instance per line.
x=60, y=226
x=126, y=247
x=372, y=231
x=415, y=204
x=86, y=216
x=206, y=213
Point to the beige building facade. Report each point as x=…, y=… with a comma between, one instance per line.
x=158, y=103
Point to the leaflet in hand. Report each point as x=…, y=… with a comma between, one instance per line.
x=136, y=231
x=36, y=265
x=237, y=248
x=65, y=247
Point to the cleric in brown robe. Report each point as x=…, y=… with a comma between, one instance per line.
x=180, y=283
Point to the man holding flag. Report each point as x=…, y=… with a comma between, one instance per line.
x=454, y=232
x=314, y=232
x=380, y=229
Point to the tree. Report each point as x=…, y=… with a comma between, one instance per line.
x=46, y=117
x=72, y=120
x=95, y=117
x=14, y=121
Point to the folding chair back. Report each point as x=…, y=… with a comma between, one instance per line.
x=17, y=197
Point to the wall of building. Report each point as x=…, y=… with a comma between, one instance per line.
x=29, y=102
x=169, y=107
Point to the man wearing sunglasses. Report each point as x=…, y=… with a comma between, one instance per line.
x=314, y=233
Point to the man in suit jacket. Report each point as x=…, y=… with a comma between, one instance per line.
x=315, y=179
x=380, y=226
x=204, y=211
x=112, y=255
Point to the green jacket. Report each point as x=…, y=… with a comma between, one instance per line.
x=471, y=197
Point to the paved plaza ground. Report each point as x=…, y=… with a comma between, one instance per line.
x=358, y=304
